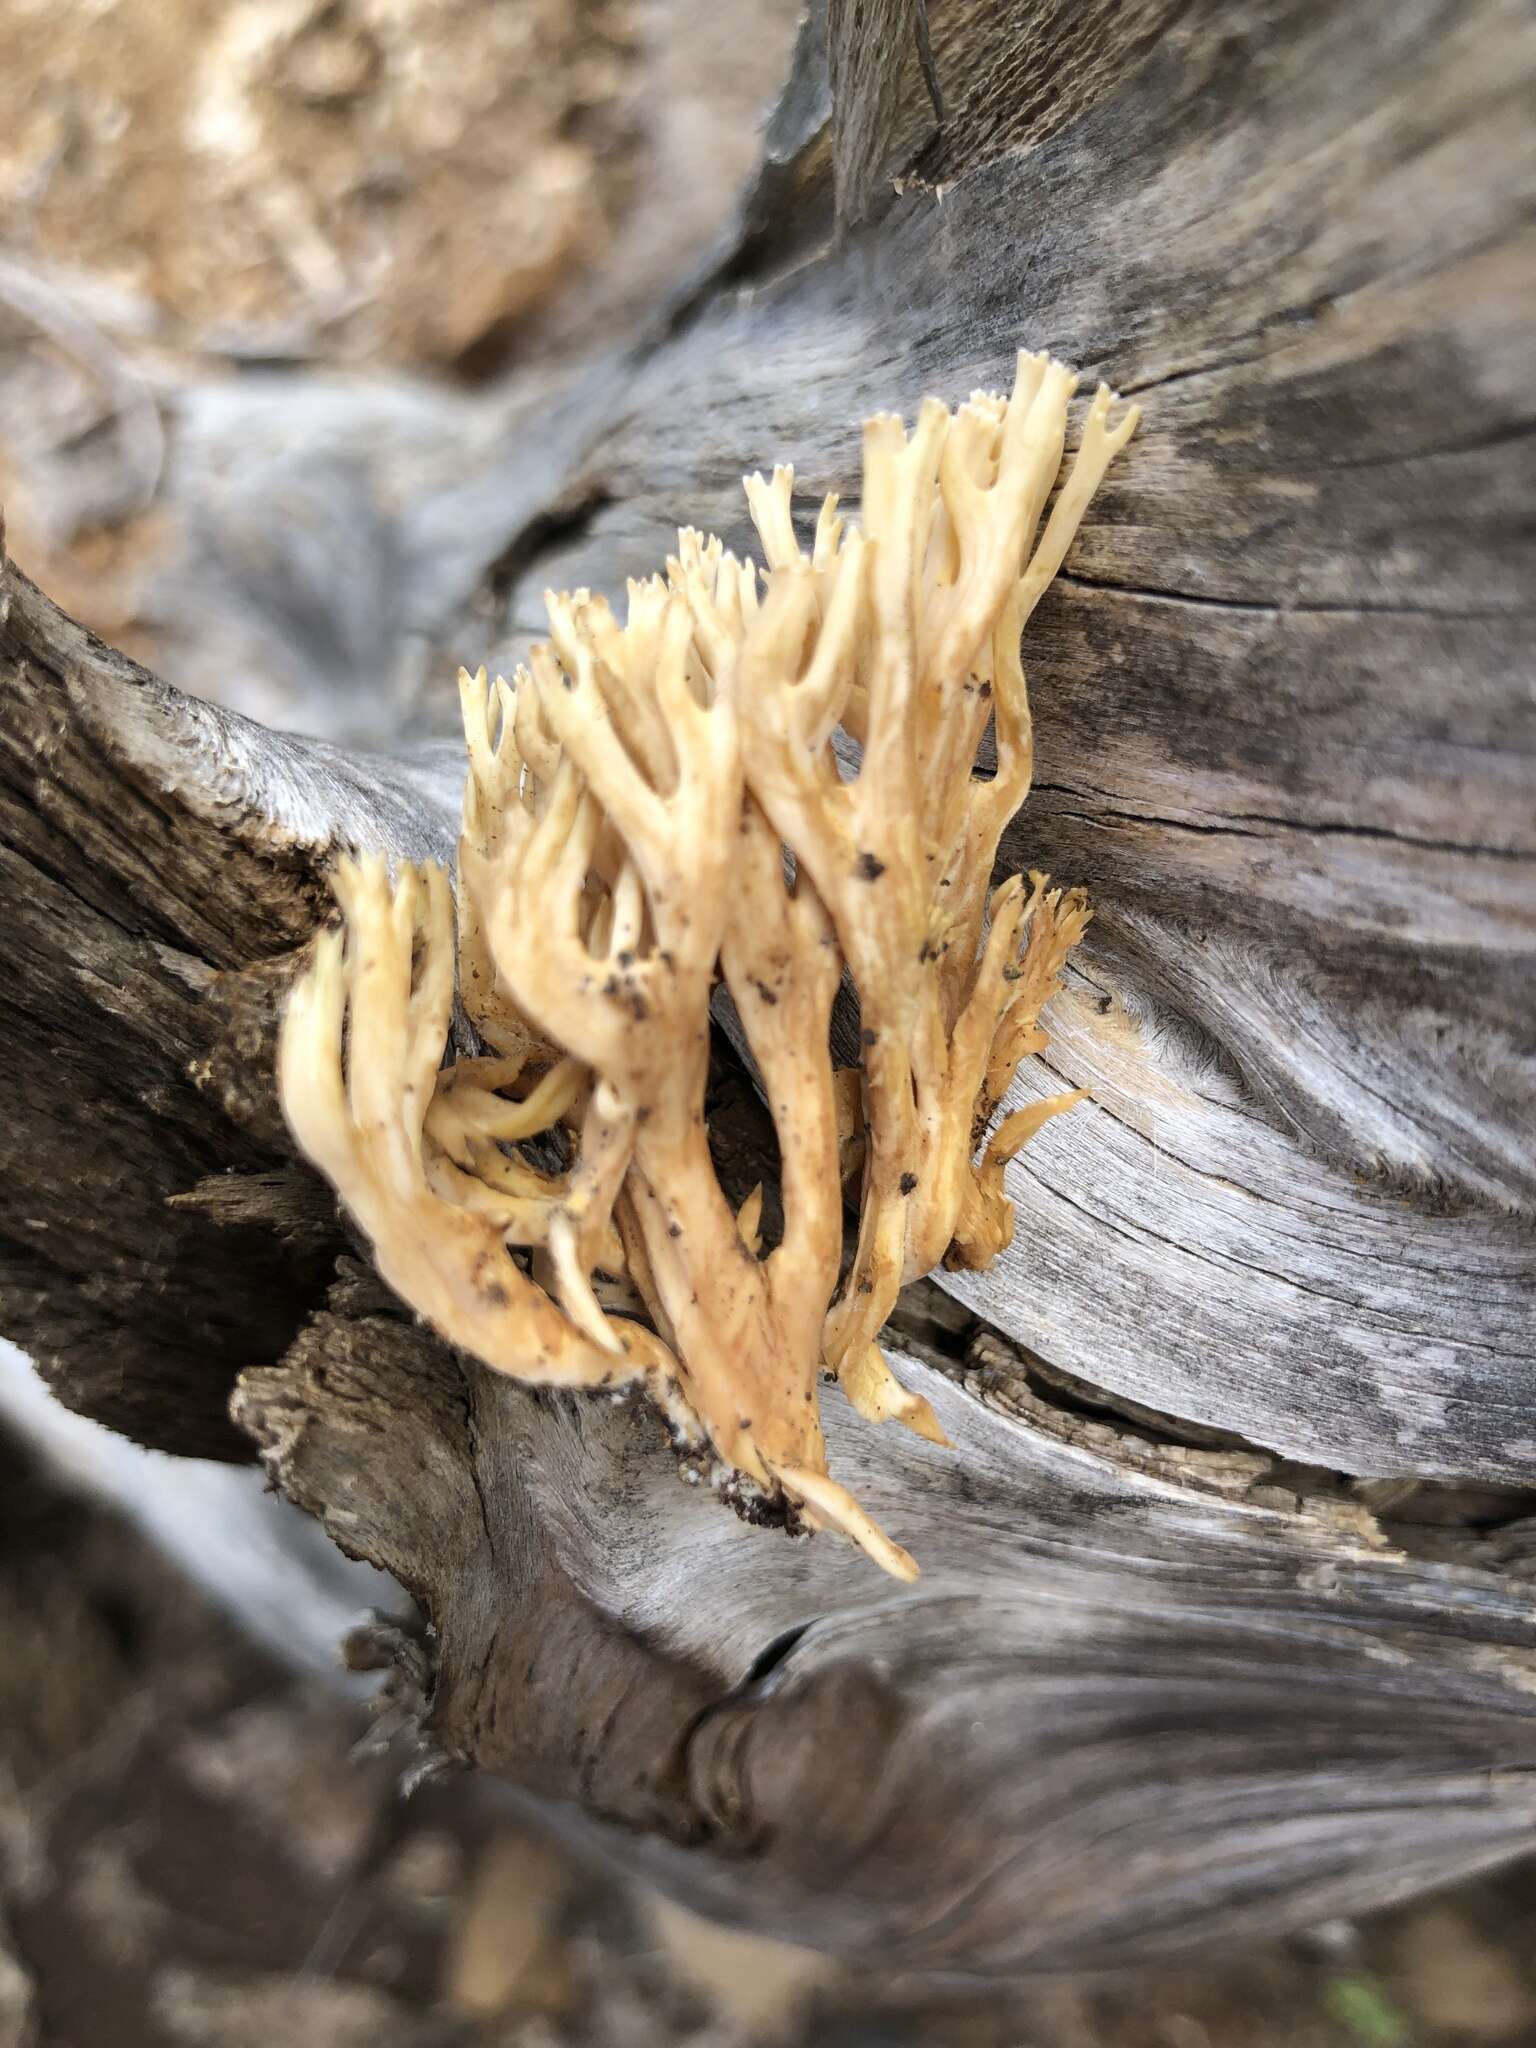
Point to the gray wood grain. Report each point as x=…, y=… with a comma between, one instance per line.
x=1285, y=696
x=1343, y=1703
x=868, y=45
x=1138, y=1701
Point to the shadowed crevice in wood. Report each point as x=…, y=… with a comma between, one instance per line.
x=149, y=947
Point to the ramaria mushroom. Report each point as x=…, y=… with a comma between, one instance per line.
x=757, y=778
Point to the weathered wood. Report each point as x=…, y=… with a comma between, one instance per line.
x=1167, y=1677
x=160, y=858
x=1139, y=1698
x=776, y=1736
x=1286, y=730
x=868, y=44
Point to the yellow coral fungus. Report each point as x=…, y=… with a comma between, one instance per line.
x=760, y=778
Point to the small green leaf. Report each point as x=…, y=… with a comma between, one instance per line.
x=1361, y=2005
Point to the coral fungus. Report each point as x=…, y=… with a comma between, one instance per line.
x=761, y=778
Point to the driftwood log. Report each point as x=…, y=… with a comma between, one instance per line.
x=1226, y=1622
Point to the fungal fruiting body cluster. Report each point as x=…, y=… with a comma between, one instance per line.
x=761, y=777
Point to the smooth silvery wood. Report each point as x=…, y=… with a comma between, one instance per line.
x=1157, y=1686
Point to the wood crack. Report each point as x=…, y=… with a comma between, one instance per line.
x=1299, y=608
x=1421, y=1517
x=1236, y=823
x=1185, y=373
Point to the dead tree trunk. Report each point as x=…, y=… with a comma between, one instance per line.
x=1226, y=1619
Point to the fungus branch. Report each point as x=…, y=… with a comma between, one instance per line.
x=764, y=779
